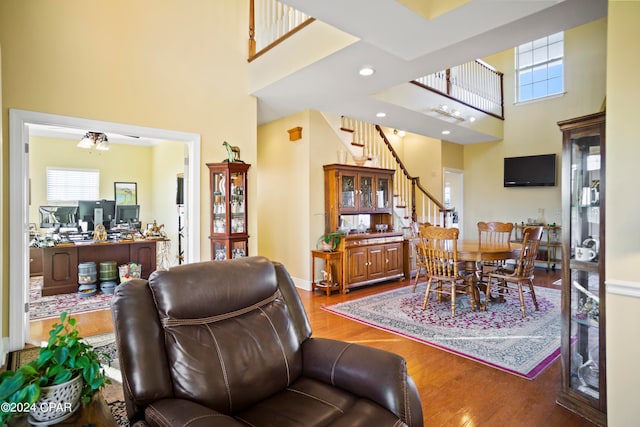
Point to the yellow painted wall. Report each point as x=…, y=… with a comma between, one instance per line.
x=291, y=189
x=623, y=204
x=530, y=129
x=155, y=63
x=283, y=193
x=423, y=158
x=452, y=155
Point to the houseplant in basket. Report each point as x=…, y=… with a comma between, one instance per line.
x=51, y=387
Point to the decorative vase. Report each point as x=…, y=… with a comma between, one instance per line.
x=57, y=402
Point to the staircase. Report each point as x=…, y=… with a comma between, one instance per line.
x=412, y=201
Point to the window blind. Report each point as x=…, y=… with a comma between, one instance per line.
x=71, y=185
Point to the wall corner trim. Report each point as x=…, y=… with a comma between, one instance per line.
x=623, y=288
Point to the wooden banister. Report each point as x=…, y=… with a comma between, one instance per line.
x=415, y=181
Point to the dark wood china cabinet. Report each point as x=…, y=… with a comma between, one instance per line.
x=584, y=385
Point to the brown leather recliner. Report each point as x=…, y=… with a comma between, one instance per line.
x=228, y=343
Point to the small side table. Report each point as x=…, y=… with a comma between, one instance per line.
x=329, y=258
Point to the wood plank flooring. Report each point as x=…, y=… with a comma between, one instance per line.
x=455, y=392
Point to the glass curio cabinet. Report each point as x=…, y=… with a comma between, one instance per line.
x=228, y=187
x=583, y=295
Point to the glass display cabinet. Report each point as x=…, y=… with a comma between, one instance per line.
x=228, y=189
x=583, y=301
x=357, y=190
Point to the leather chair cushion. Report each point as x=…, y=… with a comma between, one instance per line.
x=234, y=288
x=236, y=349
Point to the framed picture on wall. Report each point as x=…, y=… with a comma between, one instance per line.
x=126, y=193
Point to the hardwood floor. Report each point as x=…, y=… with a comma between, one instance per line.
x=455, y=392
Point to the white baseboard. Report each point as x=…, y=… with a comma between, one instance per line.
x=302, y=284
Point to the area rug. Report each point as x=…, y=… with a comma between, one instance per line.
x=50, y=307
x=112, y=393
x=498, y=337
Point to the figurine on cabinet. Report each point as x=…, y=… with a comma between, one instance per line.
x=233, y=153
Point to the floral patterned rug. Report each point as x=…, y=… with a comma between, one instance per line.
x=50, y=307
x=498, y=337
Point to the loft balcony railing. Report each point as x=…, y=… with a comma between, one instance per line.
x=270, y=23
x=474, y=84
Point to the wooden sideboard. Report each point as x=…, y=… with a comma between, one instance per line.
x=60, y=263
x=372, y=257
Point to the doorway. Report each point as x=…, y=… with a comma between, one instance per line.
x=452, y=181
x=19, y=122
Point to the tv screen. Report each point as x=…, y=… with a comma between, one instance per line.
x=530, y=171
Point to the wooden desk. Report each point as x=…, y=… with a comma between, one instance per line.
x=60, y=263
x=471, y=252
x=96, y=412
x=329, y=258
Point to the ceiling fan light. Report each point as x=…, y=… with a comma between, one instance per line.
x=102, y=142
x=85, y=142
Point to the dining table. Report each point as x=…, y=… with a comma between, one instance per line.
x=471, y=252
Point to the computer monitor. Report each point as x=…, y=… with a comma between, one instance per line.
x=128, y=214
x=97, y=212
x=63, y=216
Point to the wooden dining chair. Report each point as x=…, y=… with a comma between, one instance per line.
x=492, y=233
x=421, y=264
x=441, y=258
x=522, y=275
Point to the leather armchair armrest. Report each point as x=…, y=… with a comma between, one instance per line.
x=181, y=412
x=375, y=374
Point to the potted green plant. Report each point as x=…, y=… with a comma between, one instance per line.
x=330, y=241
x=66, y=361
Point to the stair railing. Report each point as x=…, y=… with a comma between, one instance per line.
x=270, y=23
x=412, y=199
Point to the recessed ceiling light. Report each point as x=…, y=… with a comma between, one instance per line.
x=366, y=71
x=381, y=115
x=446, y=132
x=472, y=119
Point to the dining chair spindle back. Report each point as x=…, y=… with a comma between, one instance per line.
x=492, y=233
x=441, y=258
x=421, y=264
x=522, y=274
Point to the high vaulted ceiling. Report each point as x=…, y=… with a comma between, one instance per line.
x=403, y=40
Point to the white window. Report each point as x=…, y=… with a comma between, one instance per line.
x=71, y=185
x=539, y=68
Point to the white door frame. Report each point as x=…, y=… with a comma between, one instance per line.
x=451, y=172
x=19, y=200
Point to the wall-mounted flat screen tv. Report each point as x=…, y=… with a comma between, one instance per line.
x=530, y=171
